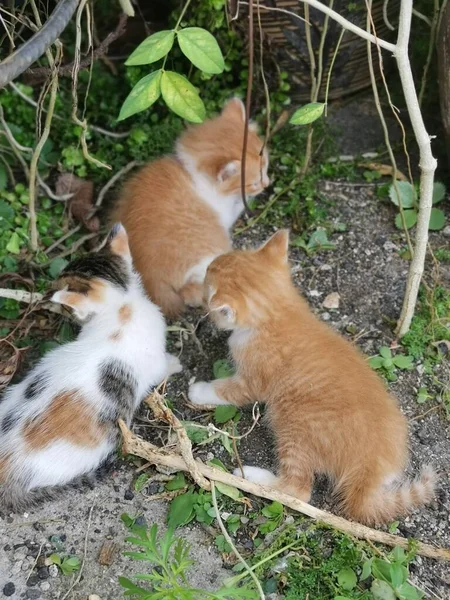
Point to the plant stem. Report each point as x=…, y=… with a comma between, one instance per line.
x=433, y=32
x=331, y=69
x=183, y=12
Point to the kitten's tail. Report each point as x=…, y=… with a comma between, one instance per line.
x=386, y=503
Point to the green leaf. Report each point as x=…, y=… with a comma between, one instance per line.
x=422, y=395
x=275, y=509
x=393, y=527
x=406, y=191
x=398, y=553
x=196, y=434
x=182, y=97
x=385, y=352
x=376, y=362
x=181, y=510
x=145, y=93
x=55, y=559
x=177, y=483
x=224, y=413
x=222, y=368
x=382, y=590
x=13, y=245
x=381, y=569
x=437, y=219
x=438, y=192
x=410, y=219
x=403, y=362
x=347, y=578
x=140, y=482
x=3, y=176
x=399, y=574
x=215, y=462
x=366, y=570
x=388, y=363
x=56, y=266
x=202, y=49
x=228, y=490
x=152, y=49
x=307, y=114
x=409, y=592
x=6, y=211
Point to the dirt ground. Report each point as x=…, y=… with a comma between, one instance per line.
x=368, y=274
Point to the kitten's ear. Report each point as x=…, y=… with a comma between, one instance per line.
x=229, y=170
x=234, y=109
x=276, y=248
x=118, y=241
x=224, y=308
x=81, y=304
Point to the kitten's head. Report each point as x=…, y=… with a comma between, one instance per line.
x=89, y=284
x=242, y=287
x=215, y=149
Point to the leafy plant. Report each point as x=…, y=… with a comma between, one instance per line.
x=318, y=241
x=168, y=578
x=389, y=363
x=67, y=564
x=202, y=50
x=307, y=114
x=274, y=513
x=406, y=195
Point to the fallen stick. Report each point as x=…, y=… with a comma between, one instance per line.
x=135, y=445
x=31, y=298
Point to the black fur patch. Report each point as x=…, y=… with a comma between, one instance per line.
x=10, y=419
x=118, y=383
x=102, y=265
x=36, y=385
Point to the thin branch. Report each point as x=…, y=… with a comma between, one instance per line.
x=62, y=239
x=421, y=16
x=385, y=16
x=247, y=104
x=114, y=179
x=432, y=40
x=30, y=298
x=28, y=53
x=226, y=535
x=135, y=445
x=330, y=70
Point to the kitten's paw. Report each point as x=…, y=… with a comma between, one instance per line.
x=203, y=394
x=173, y=365
x=257, y=475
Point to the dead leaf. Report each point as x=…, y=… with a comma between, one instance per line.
x=332, y=300
x=108, y=553
x=383, y=169
x=81, y=205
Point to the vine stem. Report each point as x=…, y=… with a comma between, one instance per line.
x=247, y=103
x=227, y=536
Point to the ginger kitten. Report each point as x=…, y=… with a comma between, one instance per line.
x=60, y=422
x=178, y=210
x=330, y=412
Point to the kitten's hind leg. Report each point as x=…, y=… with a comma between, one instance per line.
x=297, y=487
x=192, y=293
x=257, y=475
x=230, y=390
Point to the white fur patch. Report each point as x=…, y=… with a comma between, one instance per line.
x=257, y=475
x=203, y=393
x=173, y=365
x=196, y=274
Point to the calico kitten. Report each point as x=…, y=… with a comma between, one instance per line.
x=330, y=412
x=60, y=422
x=178, y=210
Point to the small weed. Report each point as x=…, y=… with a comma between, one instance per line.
x=170, y=559
x=317, y=242
x=389, y=364
x=406, y=195
x=67, y=564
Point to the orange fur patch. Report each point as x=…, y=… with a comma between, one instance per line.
x=125, y=313
x=119, y=244
x=68, y=418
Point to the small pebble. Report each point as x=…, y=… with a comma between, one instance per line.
x=9, y=589
x=33, y=594
x=94, y=597
x=43, y=573
x=128, y=495
x=32, y=580
x=53, y=571
x=325, y=316
x=45, y=586
x=446, y=231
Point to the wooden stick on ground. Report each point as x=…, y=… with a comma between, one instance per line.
x=135, y=445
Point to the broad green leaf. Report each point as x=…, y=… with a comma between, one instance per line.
x=341, y=598
x=376, y=362
x=347, y=578
x=3, y=176
x=307, y=114
x=388, y=363
x=55, y=559
x=382, y=590
x=195, y=433
x=181, y=510
x=216, y=462
x=422, y=395
x=366, y=570
x=398, y=553
x=13, y=245
x=393, y=527
x=409, y=592
x=140, y=482
x=222, y=368
x=410, y=219
x=182, y=97
x=403, y=362
x=438, y=192
x=406, y=191
x=145, y=93
x=399, y=574
x=437, y=219
x=385, y=352
x=380, y=569
x=6, y=211
x=177, y=483
x=275, y=509
x=56, y=266
x=152, y=49
x=224, y=413
x=202, y=49
x=228, y=490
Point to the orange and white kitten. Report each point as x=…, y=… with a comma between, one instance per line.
x=178, y=210
x=330, y=412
